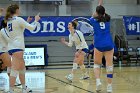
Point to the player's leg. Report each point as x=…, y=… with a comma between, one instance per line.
x=21, y=70
x=74, y=68
x=89, y=59
x=17, y=69
x=81, y=64
x=109, y=68
x=6, y=60
x=97, y=67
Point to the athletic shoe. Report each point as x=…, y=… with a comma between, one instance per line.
x=109, y=88
x=84, y=77
x=69, y=77
x=27, y=90
x=98, y=86
x=89, y=66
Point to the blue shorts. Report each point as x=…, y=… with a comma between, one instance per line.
x=104, y=49
x=14, y=50
x=84, y=50
x=1, y=53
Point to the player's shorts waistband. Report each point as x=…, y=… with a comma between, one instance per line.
x=1, y=53
x=103, y=49
x=84, y=50
x=14, y=50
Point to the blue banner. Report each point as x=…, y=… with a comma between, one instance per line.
x=52, y=26
x=132, y=25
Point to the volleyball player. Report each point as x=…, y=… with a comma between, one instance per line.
x=83, y=25
x=1, y=12
x=103, y=44
x=16, y=26
x=81, y=50
x=4, y=56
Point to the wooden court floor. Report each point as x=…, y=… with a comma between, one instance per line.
x=126, y=80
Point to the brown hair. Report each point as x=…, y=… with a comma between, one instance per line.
x=74, y=24
x=11, y=10
x=102, y=16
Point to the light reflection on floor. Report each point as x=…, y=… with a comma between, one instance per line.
x=35, y=80
x=126, y=80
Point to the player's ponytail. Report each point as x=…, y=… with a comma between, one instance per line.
x=74, y=24
x=11, y=10
x=101, y=15
x=7, y=16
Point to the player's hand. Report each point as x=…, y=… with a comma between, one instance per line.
x=29, y=19
x=63, y=40
x=100, y=2
x=37, y=17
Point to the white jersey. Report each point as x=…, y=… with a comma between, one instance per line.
x=78, y=40
x=16, y=27
x=4, y=39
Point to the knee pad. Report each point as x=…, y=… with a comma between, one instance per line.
x=75, y=66
x=14, y=73
x=109, y=75
x=22, y=71
x=8, y=69
x=97, y=66
x=109, y=68
x=82, y=66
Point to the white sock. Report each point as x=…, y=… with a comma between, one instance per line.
x=109, y=84
x=98, y=81
x=12, y=89
x=24, y=86
x=72, y=74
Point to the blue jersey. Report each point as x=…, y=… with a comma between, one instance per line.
x=102, y=35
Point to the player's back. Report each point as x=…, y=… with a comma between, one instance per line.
x=15, y=31
x=102, y=35
x=15, y=27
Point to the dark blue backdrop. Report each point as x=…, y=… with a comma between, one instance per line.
x=52, y=26
x=132, y=25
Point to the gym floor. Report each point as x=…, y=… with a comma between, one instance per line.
x=126, y=80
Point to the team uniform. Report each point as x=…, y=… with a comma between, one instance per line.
x=102, y=36
x=3, y=44
x=3, y=40
x=78, y=40
x=16, y=27
x=102, y=42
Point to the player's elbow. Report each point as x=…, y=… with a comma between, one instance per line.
x=32, y=28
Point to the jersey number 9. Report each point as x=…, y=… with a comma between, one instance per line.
x=10, y=27
x=102, y=25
